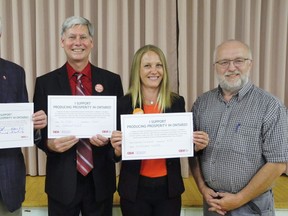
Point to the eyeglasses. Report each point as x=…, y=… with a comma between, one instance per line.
x=238, y=62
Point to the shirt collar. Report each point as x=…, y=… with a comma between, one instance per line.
x=86, y=71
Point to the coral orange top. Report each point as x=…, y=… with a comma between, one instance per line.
x=153, y=167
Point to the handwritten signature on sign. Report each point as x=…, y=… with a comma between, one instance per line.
x=11, y=130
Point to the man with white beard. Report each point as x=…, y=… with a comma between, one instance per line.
x=248, y=131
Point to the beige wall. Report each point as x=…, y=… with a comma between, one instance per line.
x=187, y=32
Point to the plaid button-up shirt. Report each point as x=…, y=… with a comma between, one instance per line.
x=245, y=133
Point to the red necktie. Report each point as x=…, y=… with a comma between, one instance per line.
x=84, y=150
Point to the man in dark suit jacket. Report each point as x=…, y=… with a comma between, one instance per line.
x=69, y=192
x=12, y=166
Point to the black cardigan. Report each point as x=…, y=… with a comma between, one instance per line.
x=130, y=170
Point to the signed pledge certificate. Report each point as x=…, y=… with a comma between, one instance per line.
x=82, y=116
x=16, y=125
x=150, y=136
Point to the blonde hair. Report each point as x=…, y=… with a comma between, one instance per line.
x=165, y=96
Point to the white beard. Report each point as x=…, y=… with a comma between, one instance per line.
x=233, y=86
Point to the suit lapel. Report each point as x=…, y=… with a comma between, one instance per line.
x=97, y=81
x=3, y=81
x=62, y=77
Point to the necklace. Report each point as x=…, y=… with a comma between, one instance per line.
x=149, y=101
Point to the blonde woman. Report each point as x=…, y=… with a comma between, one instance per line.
x=154, y=186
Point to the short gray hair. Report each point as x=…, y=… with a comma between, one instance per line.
x=75, y=20
x=232, y=40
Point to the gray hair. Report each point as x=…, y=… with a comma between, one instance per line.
x=75, y=20
x=231, y=40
